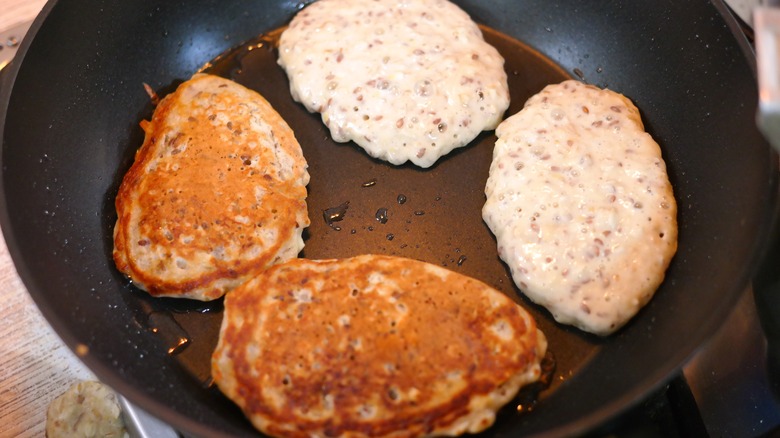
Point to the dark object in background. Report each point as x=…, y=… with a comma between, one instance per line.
x=766, y=292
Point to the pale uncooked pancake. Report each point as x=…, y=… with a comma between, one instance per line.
x=372, y=346
x=407, y=80
x=581, y=205
x=217, y=193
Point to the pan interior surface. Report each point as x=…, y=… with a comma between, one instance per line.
x=71, y=129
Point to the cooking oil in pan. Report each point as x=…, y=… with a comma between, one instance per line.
x=381, y=215
x=420, y=229
x=335, y=214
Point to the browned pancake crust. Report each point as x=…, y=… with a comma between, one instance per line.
x=369, y=346
x=215, y=195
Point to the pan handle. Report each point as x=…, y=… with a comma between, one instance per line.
x=766, y=23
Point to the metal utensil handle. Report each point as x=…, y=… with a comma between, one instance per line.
x=766, y=22
x=142, y=425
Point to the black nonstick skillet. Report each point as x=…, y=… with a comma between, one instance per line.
x=70, y=106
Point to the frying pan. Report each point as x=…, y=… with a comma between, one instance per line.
x=73, y=98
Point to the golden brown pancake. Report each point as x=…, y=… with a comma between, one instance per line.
x=217, y=193
x=372, y=346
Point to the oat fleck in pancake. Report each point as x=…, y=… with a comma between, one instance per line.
x=407, y=80
x=217, y=193
x=372, y=346
x=581, y=205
